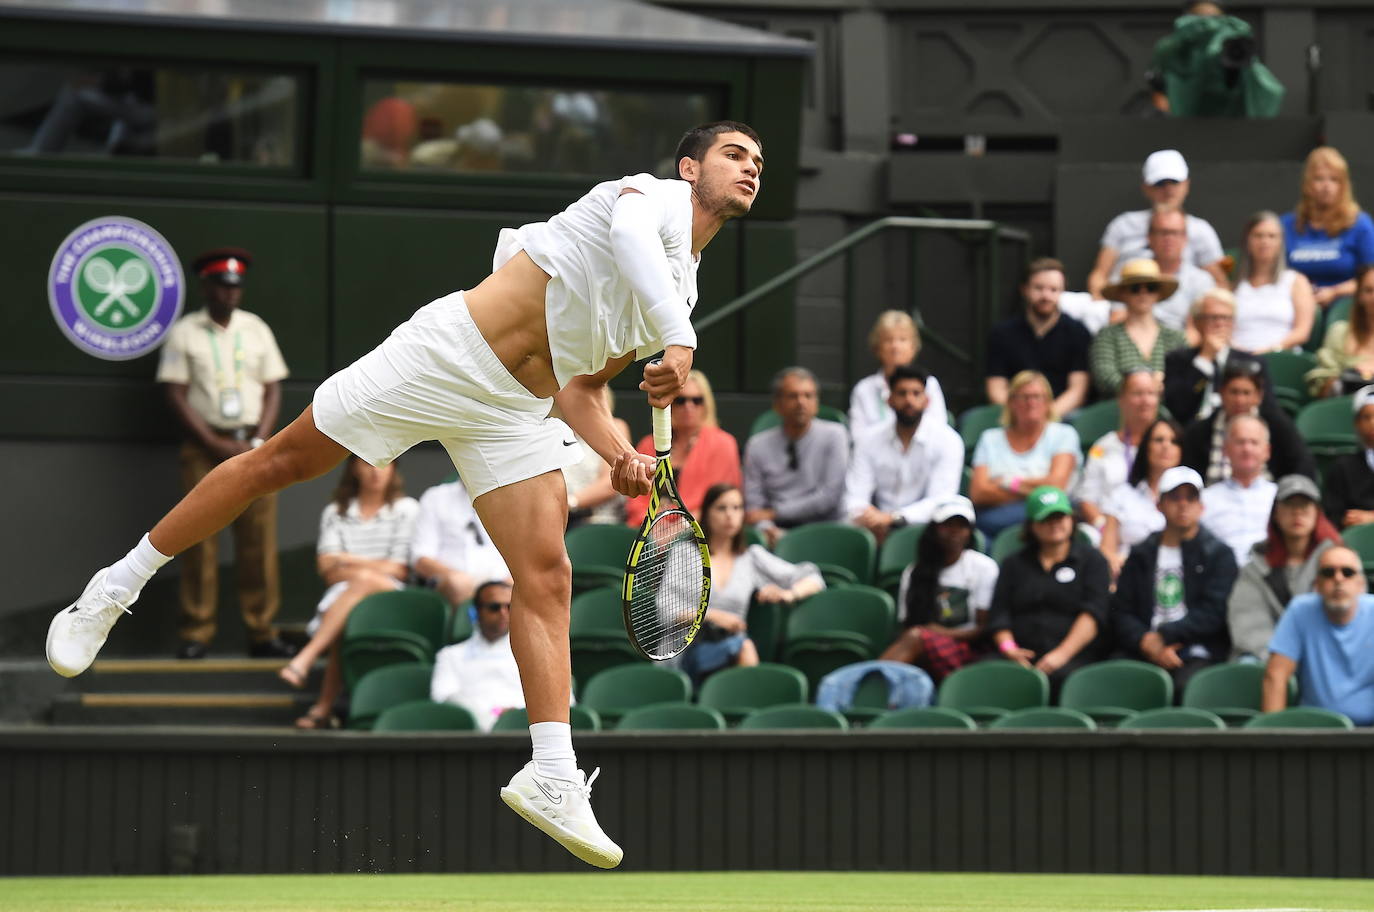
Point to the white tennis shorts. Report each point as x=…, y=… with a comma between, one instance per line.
x=435, y=378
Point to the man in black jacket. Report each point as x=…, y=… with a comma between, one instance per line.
x=1192, y=376
x=1348, y=485
x=1242, y=393
x=1170, y=602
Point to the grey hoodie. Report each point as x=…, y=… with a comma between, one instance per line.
x=1253, y=609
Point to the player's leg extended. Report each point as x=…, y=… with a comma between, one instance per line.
x=300, y=452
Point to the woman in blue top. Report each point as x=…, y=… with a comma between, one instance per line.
x=1328, y=236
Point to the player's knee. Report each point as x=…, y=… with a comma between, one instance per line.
x=545, y=578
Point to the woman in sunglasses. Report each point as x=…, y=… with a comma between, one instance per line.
x=703, y=454
x=1141, y=340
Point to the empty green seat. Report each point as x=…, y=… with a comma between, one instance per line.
x=925, y=717
x=1287, y=374
x=597, y=633
x=672, y=717
x=991, y=689
x=1327, y=427
x=1361, y=539
x=1178, y=717
x=425, y=715
x=460, y=623
x=517, y=719
x=843, y=552
x=973, y=422
x=392, y=627
x=1044, y=717
x=383, y=688
x=897, y=552
x=598, y=553
x=1301, y=717
x=735, y=692
x=616, y=690
x=1092, y=421
x=1112, y=691
x=1232, y=691
x=796, y=715
x=837, y=627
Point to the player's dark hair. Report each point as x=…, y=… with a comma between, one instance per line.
x=348, y=487
x=908, y=372
x=696, y=141
x=1140, y=467
x=713, y=494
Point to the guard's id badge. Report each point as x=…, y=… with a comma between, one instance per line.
x=230, y=404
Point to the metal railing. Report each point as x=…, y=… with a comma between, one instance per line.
x=986, y=276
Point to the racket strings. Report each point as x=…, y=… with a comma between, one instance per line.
x=667, y=585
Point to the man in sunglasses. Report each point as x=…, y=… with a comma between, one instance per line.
x=1170, y=601
x=1327, y=638
x=480, y=673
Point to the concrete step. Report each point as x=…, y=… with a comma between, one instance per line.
x=132, y=708
x=190, y=676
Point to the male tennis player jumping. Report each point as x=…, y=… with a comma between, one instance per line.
x=571, y=302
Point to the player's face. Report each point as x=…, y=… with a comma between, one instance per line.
x=727, y=179
x=726, y=516
x=1042, y=291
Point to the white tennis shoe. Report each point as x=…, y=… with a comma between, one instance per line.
x=79, y=630
x=562, y=809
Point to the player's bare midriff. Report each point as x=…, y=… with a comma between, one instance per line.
x=508, y=310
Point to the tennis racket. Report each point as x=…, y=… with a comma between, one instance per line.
x=668, y=572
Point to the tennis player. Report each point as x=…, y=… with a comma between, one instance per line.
x=570, y=303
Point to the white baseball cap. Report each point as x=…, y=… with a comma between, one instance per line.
x=1363, y=396
x=950, y=507
x=1177, y=477
x=1166, y=164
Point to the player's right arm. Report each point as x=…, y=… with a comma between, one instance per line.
x=582, y=403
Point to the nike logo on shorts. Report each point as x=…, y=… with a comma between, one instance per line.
x=569, y=443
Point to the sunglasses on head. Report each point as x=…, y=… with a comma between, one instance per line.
x=694, y=400
x=1138, y=287
x=494, y=606
x=1330, y=572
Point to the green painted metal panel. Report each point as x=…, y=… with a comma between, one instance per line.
x=769, y=328
x=773, y=107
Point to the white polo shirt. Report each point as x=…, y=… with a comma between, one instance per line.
x=448, y=530
x=1238, y=515
x=479, y=675
x=909, y=481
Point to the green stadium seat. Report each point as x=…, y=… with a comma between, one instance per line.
x=383, y=688
x=843, y=552
x=598, y=554
x=1301, y=717
x=870, y=699
x=771, y=419
x=766, y=622
x=1231, y=691
x=973, y=422
x=797, y=715
x=752, y=536
x=736, y=692
x=617, y=690
x=1336, y=311
x=1328, y=428
x=1177, y=717
x=391, y=627
x=897, y=552
x=1044, y=717
x=460, y=623
x=1007, y=542
x=1112, y=691
x=1288, y=374
x=925, y=717
x=1092, y=421
x=991, y=689
x=837, y=627
x=672, y=717
x=425, y=715
x=597, y=633
x=1361, y=539
x=517, y=719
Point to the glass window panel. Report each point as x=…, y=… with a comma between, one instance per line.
x=464, y=128
x=176, y=114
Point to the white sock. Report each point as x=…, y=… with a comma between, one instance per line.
x=134, y=569
x=553, y=750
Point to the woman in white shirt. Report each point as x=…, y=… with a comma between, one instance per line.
x=739, y=575
x=895, y=341
x=1132, y=507
x=364, y=547
x=1274, y=304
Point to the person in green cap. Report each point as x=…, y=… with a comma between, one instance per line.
x=1050, y=603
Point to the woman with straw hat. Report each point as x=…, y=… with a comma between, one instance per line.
x=1141, y=341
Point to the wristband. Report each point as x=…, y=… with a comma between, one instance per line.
x=1014, y=486
x=1008, y=646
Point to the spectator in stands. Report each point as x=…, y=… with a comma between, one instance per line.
x=1274, y=304
x=1192, y=376
x=1165, y=185
x=1169, y=242
x=1327, y=235
x=1345, y=362
x=895, y=342
x=1348, y=483
x=1280, y=567
x=703, y=454
x=364, y=546
x=451, y=550
x=1042, y=339
x=1327, y=638
x=1131, y=510
x=1111, y=455
x=480, y=674
x=1050, y=602
x=1141, y=340
x=1242, y=393
x=591, y=499
x=740, y=574
x=1030, y=449
x=903, y=467
x=944, y=596
x=1170, y=602
x=1237, y=508
x=794, y=473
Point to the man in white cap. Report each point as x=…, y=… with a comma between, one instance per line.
x=1170, y=601
x=1348, y=483
x=1165, y=184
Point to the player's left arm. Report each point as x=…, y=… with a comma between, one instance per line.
x=582, y=403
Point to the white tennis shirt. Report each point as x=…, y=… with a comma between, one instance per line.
x=623, y=277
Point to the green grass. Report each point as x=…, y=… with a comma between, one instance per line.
x=688, y=892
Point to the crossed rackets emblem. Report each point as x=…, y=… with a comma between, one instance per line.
x=116, y=285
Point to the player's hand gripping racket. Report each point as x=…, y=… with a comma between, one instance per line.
x=668, y=572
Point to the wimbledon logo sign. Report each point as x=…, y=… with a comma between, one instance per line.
x=116, y=287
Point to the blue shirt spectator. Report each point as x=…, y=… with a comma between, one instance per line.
x=1335, y=661
x=1324, y=259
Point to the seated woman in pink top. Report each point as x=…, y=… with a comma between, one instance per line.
x=703, y=454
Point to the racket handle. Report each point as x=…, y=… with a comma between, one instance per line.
x=663, y=431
